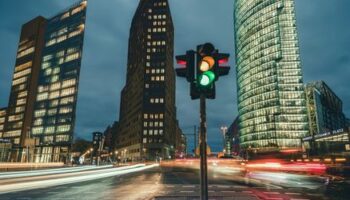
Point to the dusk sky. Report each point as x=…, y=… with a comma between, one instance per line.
x=324, y=39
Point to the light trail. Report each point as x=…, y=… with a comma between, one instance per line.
x=7, y=175
x=104, y=173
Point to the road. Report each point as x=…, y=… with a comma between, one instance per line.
x=180, y=181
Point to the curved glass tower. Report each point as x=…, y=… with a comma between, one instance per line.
x=271, y=100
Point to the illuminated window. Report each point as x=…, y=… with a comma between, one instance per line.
x=52, y=112
x=49, y=129
x=63, y=128
x=23, y=66
x=72, y=57
x=40, y=113
x=22, y=73
x=42, y=96
x=37, y=130
x=68, y=91
x=67, y=100
x=19, y=81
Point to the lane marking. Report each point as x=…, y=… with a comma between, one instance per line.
x=271, y=192
x=188, y=186
x=183, y=191
x=292, y=193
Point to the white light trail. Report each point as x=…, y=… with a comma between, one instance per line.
x=7, y=175
x=73, y=179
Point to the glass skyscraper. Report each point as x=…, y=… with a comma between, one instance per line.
x=55, y=103
x=271, y=99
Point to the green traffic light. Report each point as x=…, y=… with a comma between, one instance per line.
x=206, y=78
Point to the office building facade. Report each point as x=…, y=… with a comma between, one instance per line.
x=325, y=109
x=2, y=120
x=23, y=89
x=271, y=98
x=147, y=121
x=57, y=91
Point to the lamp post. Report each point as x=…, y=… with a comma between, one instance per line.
x=224, y=131
x=91, y=157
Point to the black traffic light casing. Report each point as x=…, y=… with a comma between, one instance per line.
x=188, y=62
x=221, y=58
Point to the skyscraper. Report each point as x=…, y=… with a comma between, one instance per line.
x=147, y=121
x=271, y=98
x=24, y=85
x=57, y=91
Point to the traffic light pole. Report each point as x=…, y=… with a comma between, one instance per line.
x=203, y=149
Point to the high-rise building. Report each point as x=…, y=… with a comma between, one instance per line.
x=24, y=86
x=325, y=109
x=2, y=120
x=271, y=97
x=57, y=91
x=147, y=121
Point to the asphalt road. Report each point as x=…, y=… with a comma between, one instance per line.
x=178, y=182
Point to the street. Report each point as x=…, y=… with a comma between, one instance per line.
x=174, y=180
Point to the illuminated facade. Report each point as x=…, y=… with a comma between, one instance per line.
x=57, y=91
x=325, y=108
x=271, y=98
x=2, y=120
x=147, y=121
x=23, y=90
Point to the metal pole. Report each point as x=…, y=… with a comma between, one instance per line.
x=195, y=139
x=203, y=149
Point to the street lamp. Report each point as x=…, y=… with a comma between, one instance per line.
x=224, y=131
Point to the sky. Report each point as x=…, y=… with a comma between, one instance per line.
x=324, y=39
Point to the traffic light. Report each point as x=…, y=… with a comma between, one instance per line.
x=206, y=64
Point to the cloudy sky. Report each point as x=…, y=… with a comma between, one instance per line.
x=324, y=34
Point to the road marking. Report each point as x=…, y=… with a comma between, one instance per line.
x=292, y=193
x=188, y=186
x=271, y=192
x=239, y=186
x=53, y=192
x=223, y=186
x=299, y=199
x=228, y=191
x=183, y=191
x=170, y=186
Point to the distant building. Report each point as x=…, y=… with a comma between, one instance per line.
x=110, y=136
x=271, y=96
x=181, y=144
x=325, y=108
x=233, y=137
x=147, y=120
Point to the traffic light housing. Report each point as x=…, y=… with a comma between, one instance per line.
x=202, y=69
x=187, y=63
